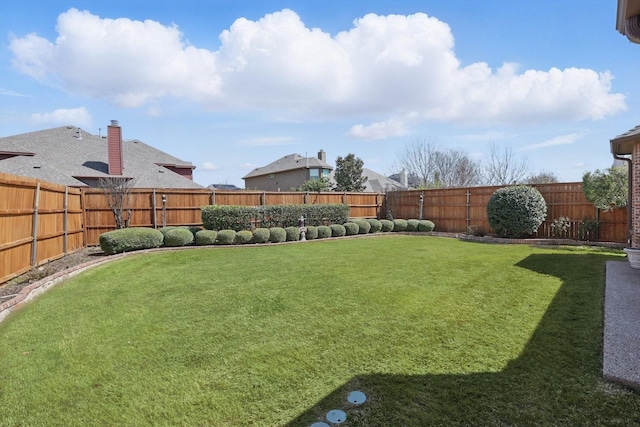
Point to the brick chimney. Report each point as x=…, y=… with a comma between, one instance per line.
x=322, y=156
x=114, y=144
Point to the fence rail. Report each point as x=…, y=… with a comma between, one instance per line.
x=40, y=221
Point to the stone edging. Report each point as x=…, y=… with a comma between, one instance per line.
x=30, y=292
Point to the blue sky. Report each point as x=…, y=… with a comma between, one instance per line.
x=233, y=85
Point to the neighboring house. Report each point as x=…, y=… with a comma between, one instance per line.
x=628, y=19
x=70, y=156
x=288, y=173
x=229, y=187
x=377, y=183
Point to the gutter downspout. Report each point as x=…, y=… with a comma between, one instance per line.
x=630, y=196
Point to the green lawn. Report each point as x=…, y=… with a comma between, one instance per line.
x=433, y=330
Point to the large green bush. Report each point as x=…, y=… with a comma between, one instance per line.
x=426, y=225
x=387, y=225
x=277, y=235
x=130, y=239
x=376, y=225
x=206, y=237
x=226, y=237
x=243, y=237
x=261, y=235
x=324, y=231
x=178, y=237
x=293, y=234
x=228, y=217
x=400, y=225
x=312, y=233
x=412, y=225
x=337, y=230
x=351, y=228
x=516, y=211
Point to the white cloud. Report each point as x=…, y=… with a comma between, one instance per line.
x=580, y=165
x=558, y=140
x=380, y=130
x=391, y=66
x=248, y=166
x=267, y=141
x=75, y=116
x=208, y=166
x=9, y=92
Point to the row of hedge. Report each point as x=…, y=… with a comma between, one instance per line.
x=132, y=239
x=240, y=218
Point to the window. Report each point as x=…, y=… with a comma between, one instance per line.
x=325, y=173
x=314, y=173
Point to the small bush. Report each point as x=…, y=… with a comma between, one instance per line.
x=337, y=230
x=293, y=234
x=412, y=225
x=226, y=237
x=168, y=228
x=351, y=228
x=375, y=224
x=323, y=232
x=277, y=235
x=178, y=237
x=363, y=226
x=516, y=211
x=130, y=239
x=387, y=225
x=560, y=227
x=426, y=225
x=312, y=233
x=400, y=225
x=243, y=237
x=206, y=237
x=261, y=235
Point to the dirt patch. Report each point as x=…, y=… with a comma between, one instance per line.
x=13, y=286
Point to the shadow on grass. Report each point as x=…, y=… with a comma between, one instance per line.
x=554, y=381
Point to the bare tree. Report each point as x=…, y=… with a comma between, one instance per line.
x=542, y=178
x=437, y=168
x=504, y=168
x=117, y=190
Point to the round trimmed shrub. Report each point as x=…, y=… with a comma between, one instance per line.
x=130, y=239
x=277, y=235
x=337, y=230
x=412, y=225
x=363, y=226
x=293, y=234
x=226, y=237
x=426, y=225
x=351, y=228
x=386, y=225
x=323, y=232
x=375, y=224
x=206, y=237
x=516, y=211
x=261, y=235
x=168, y=228
x=178, y=237
x=400, y=225
x=312, y=233
x=243, y=237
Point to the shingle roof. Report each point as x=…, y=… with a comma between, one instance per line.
x=623, y=144
x=65, y=155
x=378, y=183
x=289, y=162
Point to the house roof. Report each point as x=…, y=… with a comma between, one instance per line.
x=628, y=19
x=69, y=156
x=287, y=163
x=377, y=183
x=624, y=144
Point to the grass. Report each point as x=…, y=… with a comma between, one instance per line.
x=433, y=330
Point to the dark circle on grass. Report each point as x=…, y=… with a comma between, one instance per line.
x=336, y=416
x=319, y=424
x=357, y=397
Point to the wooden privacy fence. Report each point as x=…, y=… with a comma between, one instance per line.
x=458, y=209
x=157, y=208
x=39, y=222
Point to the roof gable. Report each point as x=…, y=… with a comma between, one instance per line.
x=287, y=163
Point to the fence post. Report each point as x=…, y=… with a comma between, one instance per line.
x=213, y=196
x=306, y=198
x=34, y=250
x=421, y=205
x=83, y=206
x=154, y=207
x=65, y=225
x=263, y=198
x=468, y=210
